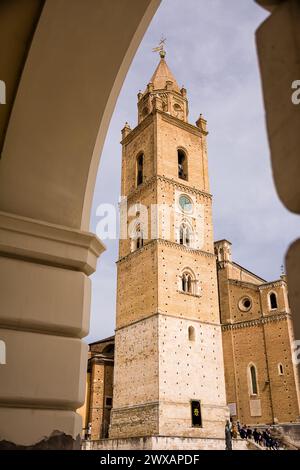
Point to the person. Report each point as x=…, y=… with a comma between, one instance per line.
x=234, y=431
x=256, y=436
x=89, y=431
x=265, y=436
x=242, y=432
x=249, y=433
x=228, y=440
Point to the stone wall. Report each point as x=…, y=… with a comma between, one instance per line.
x=163, y=443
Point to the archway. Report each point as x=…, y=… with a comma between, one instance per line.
x=63, y=78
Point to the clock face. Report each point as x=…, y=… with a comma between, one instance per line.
x=185, y=203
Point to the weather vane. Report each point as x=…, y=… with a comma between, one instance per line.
x=161, y=47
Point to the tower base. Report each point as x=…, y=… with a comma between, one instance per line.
x=163, y=443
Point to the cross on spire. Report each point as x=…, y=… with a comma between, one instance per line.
x=161, y=47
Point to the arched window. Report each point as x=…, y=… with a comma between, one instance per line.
x=137, y=239
x=182, y=165
x=253, y=380
x=191, y=333
x=139, y=169
x=273, y=300
x=280, y=369
x=185, y=235
x=187, y=283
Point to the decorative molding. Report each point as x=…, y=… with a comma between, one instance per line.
x=45, y=243
x=243, y=283
x=183, y=187
x=140, y=127
x=185, y=248
x=160, y=313
x=98, y=358
x=182, y=124
x=269, y=285
x=257, y=322
x=191, y=294
x=169, y=243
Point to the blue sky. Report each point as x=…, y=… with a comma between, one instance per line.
x=211, y=51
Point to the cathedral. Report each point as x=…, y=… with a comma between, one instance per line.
x=199, y=339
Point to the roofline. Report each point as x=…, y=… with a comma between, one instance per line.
x=223, y=240
x=104, y=340
x=250, y=272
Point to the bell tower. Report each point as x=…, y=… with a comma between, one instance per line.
x=169, y=374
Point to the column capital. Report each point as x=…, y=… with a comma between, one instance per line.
x=50, y=244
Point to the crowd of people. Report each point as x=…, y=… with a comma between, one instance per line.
x=261, y=437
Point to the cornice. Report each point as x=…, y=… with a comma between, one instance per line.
x=141, y=126
x=166, y=117
x=267, y=285
x=185, y=248
x=50, y=244
x=243, y=283
x=161, y=241
x=100, y=360
x=257, y=287
x=183, y=187
x=141, y=187
x=257, y=322
x=182, y=124
x=160, y=313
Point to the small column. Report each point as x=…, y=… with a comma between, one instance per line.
x=169, y=85
x=150, y=87
x=157, y=103
x=202, y=123
x=126, y=130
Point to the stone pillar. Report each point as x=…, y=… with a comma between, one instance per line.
x=45, y=308
x=278, y=47
x=64, y=64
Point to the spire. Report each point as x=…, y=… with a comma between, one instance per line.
x=163, y=74
x=162, y=93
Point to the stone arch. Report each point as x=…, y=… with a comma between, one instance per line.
x=52, y=140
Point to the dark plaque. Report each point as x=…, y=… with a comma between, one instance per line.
x=196, y=413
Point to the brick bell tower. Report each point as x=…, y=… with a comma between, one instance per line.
x=169, y=374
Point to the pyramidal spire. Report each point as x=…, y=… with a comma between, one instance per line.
x=162, y=94
x=163, y=74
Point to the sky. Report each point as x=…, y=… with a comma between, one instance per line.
x=211, y=51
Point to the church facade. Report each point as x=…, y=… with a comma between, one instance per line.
x=198, y=338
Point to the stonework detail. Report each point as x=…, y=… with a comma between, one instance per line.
x=158, y=368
